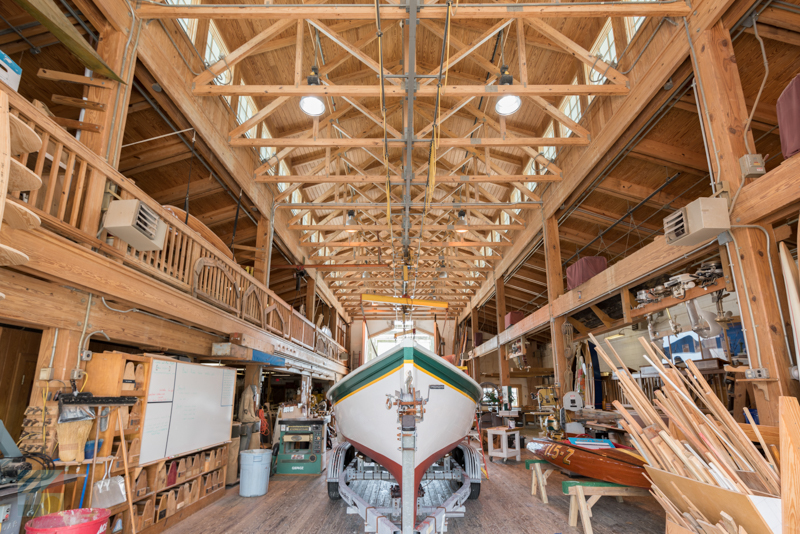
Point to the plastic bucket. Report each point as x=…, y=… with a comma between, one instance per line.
x=81, y=521
x=254, y=474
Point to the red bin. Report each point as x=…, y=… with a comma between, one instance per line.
x=81, y=521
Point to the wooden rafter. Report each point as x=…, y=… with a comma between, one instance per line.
x=356, y=12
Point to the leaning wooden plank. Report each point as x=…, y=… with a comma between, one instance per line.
x=80, y=103
x=78, y=125
x=10, y=257
x=23, y=139
x=21, y=178
x=57, y=76
x=19, y=217
x=790, y=463
x=52, y=18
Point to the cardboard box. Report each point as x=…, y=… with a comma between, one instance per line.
x=10, y=73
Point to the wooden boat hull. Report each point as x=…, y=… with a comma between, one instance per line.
x=362, y=417
x=610, y=465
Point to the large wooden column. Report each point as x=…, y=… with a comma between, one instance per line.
x=260, y=265
x=475, y=370
x=555, y=288
x=311, y=297
x=108, y=142
x=500, y=302
x=724, y=119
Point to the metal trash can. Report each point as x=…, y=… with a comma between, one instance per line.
x=254, y=472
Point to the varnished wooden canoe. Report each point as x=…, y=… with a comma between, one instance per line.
x=610, y=465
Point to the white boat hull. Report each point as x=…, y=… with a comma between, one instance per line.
x=362, y=417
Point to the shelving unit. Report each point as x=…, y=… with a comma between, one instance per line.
x=162, y=492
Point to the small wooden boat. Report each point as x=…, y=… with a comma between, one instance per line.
x=618, y=466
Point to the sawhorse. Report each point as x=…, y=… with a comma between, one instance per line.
x=578, y=490
x=538, y=477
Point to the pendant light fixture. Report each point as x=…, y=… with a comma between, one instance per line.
x=312, y=106
x=507, y=104
x=351, y=223
x=461, y=225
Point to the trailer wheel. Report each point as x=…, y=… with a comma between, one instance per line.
x=475, y=490
x=333, y=491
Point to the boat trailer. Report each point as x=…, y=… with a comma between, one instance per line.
x=372, y=492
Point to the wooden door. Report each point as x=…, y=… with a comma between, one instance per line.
x=18, y=357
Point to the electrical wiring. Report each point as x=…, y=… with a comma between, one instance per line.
x=85, y=380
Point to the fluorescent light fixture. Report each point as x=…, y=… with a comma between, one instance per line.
x=461, y=224
x=313, y=106
x=615, y=336
x=507, y=104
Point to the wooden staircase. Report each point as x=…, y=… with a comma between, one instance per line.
x=16, y=140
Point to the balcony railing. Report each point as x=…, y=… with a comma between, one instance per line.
x=76, y=184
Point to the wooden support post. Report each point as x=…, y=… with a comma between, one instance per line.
x=522, y=53
x=260, y=268
x=298, y=59
x=108, y=142
x=500, y=302
x=724, y=120
x=555, y=288
x=311, y=297
x=620, y=36
x=473, y=317
x=475, y=370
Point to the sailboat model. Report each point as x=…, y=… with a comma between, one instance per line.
x=407, y=393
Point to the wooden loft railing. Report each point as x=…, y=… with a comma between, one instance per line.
x=76, y=185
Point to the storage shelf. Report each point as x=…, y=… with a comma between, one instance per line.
x=177, y=484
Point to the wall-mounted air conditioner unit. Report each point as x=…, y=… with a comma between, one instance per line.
x=136, y=223
x=697, y=222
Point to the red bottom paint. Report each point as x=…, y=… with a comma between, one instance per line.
x=397, y=470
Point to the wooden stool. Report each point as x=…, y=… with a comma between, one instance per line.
x=538, y=478
x=503, y=452
x=579, y=489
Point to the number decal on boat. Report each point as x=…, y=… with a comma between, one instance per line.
x=566, y=458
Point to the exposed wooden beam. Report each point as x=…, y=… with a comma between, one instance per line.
x=397, y=180
x=424, y=244
x=457, y=142
x=577, y=51
x=676, y=157
x=356, y=12
x=636, y=193
x=197, y=189
x=374, y=91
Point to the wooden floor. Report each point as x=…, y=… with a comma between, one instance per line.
x=300, y=504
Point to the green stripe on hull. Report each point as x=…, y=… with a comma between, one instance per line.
x=388, y=364
x=357, y=380
x=457, y=379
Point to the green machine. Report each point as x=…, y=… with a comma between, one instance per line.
x=301, y=447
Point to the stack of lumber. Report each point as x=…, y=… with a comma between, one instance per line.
x=703, y=466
